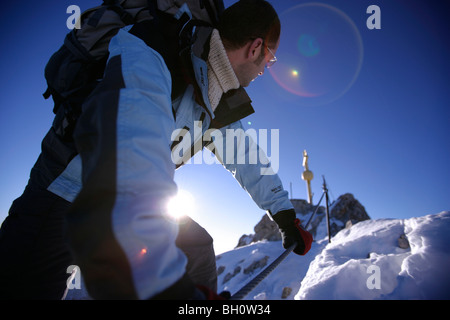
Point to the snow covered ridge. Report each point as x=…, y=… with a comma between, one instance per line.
x=388, y=259
x=362, y=262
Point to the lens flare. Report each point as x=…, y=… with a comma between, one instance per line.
x=307, y=45
x=320, y=53
x=183, y=204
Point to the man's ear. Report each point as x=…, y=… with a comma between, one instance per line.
x=254, y=49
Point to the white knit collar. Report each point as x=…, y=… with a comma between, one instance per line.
x=221, y=76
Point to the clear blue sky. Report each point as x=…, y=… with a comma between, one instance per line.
x=371, y=107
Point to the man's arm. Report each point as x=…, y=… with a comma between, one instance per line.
x=261, y=182
x=122, y=238
x=256, y=177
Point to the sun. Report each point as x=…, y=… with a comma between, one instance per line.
x=182, y=204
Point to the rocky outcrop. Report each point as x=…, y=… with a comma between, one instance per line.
x=255, y=265
x=229, y=275
x=403, y=242
x=304, y=209
x=347, y=208
x=344, y=212
x=286, y=292
x=265, y=229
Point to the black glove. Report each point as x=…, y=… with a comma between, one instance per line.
x=292, y=231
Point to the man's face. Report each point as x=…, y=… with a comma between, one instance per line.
x=256, y=68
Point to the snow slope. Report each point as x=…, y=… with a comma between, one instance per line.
x=347, y=268
x=362, y=262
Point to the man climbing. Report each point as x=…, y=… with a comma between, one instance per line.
x=110, y=217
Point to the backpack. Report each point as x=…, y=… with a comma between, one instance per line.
x=77, y=67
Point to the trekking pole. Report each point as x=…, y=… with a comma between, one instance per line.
x=314, y=213
x=245, y=290
x=325, y=191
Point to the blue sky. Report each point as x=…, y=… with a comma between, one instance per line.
x=380, y=131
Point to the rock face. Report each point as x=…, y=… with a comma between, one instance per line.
x=286, y=292
x=344, y=212
x=304, y=208
x=347, y=208
x=256, y=265
x=403, y=242
x=264, y=229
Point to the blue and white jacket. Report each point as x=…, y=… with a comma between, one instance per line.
x=123, y=240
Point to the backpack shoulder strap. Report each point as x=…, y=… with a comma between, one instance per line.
x=207, y=11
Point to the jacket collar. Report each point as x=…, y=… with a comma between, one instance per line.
x=234, y=103
x=221, y=76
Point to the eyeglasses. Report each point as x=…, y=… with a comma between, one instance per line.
x=272, y=61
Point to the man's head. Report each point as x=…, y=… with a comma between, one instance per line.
x=250, y=32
